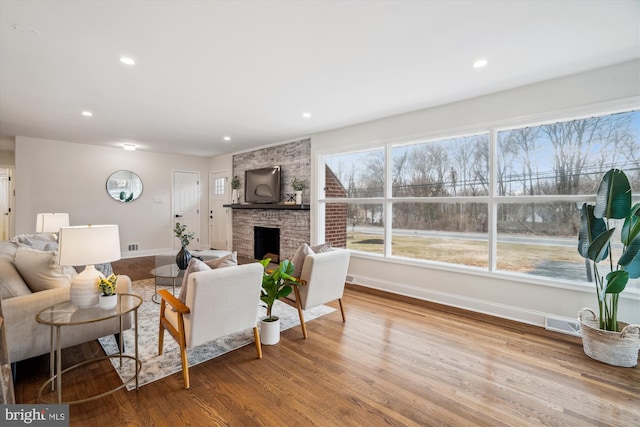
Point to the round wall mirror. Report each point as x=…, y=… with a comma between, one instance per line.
x=124, y=186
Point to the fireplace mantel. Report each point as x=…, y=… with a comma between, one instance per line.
x=269, y=206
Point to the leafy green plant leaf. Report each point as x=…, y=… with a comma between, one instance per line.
x=614, y=196
x=599, y=248
x=590, y=227
x=616, y=281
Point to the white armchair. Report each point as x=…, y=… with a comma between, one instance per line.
x=323, y=277
x=218, y=302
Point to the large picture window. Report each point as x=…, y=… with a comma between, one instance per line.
x=501, y=200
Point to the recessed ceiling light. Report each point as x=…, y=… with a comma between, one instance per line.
x=129, y=147
x=306, y=115
x=128, y=61
x=480, y=63
x=227, y=138
x=87, y=113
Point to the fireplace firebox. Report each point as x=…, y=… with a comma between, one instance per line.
x=266, y=243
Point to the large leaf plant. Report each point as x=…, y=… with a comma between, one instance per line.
x=613, y=201
x=276, y=284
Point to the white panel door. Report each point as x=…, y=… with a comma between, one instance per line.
x=186, y=204
x=219, y=216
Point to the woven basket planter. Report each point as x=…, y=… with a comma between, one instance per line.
x=613, y=348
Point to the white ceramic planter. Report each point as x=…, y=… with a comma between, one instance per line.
x=108, y=302
x=298, y=197
x=270, y=331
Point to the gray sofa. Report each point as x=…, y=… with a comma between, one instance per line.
x=23, y=297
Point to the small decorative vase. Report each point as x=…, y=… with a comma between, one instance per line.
x=182, y=258
x=270, y=330
x=108, y=302
x=298, y=197
x=234, y=196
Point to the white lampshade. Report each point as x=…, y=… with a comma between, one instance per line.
x=51, y=222
x=88, y=245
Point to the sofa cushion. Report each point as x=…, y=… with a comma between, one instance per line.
x=39, y=271
x=11, y=283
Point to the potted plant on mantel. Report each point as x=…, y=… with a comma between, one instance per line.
x=235, y=184
x=275, y=285
x=604, y=338
x=298, y=187
x=184, y=256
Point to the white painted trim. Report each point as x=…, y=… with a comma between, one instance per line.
x=530, y=317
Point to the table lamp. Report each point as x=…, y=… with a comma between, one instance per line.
x=88, y=245
x=51, y=222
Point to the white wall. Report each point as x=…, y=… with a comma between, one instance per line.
x=527, y=300
x=56, y=176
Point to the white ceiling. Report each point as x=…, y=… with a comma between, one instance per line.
x=249, y=69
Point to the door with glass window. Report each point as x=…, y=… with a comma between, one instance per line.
x=219, y=216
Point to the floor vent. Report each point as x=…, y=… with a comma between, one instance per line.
x=564, y=326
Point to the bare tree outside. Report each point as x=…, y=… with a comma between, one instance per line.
x=555, y=159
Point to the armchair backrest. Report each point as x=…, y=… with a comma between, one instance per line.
x=325, y=274
x=222, y=301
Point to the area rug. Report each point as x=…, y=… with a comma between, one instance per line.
x=155, y=367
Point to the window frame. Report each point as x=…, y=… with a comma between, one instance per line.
x=492, y=199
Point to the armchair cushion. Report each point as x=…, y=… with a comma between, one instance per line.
x=39, y=271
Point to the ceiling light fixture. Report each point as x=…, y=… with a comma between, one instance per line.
x=87, y=113
x=129, y=147
x=306, y=115
x=227, y=138
x=127, y=61
x=480, y=63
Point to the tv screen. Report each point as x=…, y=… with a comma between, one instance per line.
x=262, y=185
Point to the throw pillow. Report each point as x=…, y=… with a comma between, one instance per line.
x=37, y=270
x=298, y=259
x=11, y=283
x=322, y=247
x=194, y=265
x=226, y=261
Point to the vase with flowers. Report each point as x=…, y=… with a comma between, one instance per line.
x=184, y=256
x=107, y=287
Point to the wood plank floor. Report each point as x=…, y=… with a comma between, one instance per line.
x=395, y=362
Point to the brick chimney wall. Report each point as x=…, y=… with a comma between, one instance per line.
x=335, y=213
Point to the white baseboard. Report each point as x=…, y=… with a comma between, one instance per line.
x=480, y=306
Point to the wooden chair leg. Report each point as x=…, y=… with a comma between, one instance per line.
x=161, y=331
x=300, y=315
x=182, y=341
x=344, y=319
x=256, y=336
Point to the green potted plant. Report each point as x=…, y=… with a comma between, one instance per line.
x=107, y=287
x=183, y=256
x=235, y=184
x=298, y=187
x=276, y=284
x=604, y=337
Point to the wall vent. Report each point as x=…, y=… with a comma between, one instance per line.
x=556, y=324
x=133, y=247
x=349, y=279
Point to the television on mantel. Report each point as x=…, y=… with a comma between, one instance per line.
x=262, y=185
